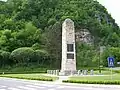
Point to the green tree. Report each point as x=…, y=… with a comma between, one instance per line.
x=52, y=41
x=111, y=51
x=29, y=36
x=4, y=58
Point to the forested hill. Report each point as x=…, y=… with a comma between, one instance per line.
x=37, y=24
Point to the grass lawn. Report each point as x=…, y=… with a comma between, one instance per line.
x=105, y=72
x=96, y=78
x=23, y=70
x=29, y=76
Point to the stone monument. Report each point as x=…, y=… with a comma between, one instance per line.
x=68, y=64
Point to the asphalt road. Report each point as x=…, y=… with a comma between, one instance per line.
x=17, y=84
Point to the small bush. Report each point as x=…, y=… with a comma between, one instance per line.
x=22, y=55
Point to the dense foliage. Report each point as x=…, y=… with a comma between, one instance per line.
x=30, y=31
x=111, y=51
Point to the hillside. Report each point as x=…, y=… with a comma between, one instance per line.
x=35, y=26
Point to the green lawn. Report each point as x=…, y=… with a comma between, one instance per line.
x=23, y=70
x=30, y=76
x=96, y=78
x=105, y=72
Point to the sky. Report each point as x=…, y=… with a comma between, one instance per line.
x=113, y=7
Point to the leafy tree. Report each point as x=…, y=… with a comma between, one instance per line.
x=28, y=36
x=52, y=41
x=86, y=55
x=4, y=58
x=111, y=51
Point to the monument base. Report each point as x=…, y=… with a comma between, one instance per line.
x=67, y=72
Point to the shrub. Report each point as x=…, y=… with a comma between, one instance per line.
x=29, y=78
x=40, y=55
x=93, y=82
x=22, y=55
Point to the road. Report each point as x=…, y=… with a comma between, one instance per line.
x=17, y=84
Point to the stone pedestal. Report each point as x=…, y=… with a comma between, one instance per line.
x=68, y=64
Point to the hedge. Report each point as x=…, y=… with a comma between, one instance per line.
x=29, y=78
x=93, y=82
x=24, y=72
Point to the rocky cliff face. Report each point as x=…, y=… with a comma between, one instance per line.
x=84, y=36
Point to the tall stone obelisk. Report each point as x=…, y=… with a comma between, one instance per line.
x=68, y=64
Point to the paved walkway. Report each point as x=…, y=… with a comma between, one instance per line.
x=61, y=78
